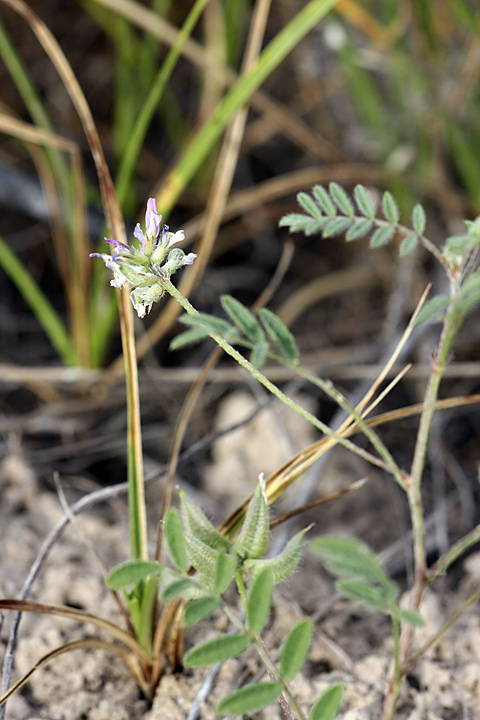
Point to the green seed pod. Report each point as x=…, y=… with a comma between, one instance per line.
x=282, y=565
x=197, y=524
x=252, y=540
x=201, y=556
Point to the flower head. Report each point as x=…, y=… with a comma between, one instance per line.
x=147, y=267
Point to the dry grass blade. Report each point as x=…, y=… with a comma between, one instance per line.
x=221, y=185
x=168, y=641
x=198, y=385
x=320, y=501
x=86, y=644
x=70, y=82
x=117, y=229
x=169, y=633
x=408, y=331
x=279, y=116
x=278, y=481
x=80, y=616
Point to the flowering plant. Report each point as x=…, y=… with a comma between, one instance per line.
x=146, y=268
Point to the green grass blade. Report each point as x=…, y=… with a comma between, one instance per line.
x=30, y=97
x=199, y=147
x=127, y=87
x=139, y=130
x=44, y=312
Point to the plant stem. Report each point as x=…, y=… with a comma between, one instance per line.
x=136, y=493
x=456, y=551
x=241, y=360
x=275, y=677
x=471, y=600
x=289, y=699
x=414, y=481
x=329, y=389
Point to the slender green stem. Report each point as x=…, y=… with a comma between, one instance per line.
x=329, y=388
x=449, y=622
x=397, y=671
x=241, y=588
x=276, y=677
x=456, y=551
x=414, y=481
x=265, y=658
x=188, y=307
x=449, y=330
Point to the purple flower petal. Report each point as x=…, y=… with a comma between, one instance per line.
x=117, y=243
x=152, y=219
x=139, y=235
x=188, y=259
